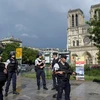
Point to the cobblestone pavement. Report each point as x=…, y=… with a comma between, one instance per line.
x=28, y=90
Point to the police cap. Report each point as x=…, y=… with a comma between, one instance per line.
x=64, y=56
x=12, y=53
x=39, y=54
x=55, y=53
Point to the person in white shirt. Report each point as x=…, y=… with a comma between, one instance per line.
x=63, y=72
x=39, y=67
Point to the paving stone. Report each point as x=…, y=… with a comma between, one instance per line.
x=80, y=90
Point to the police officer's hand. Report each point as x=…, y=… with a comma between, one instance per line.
x=41, y=66
x=60, y=72
x=43, y=61
x=74, y=73
x=5, y=71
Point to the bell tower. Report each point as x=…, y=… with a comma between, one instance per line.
x=74, y=31
x=75, y=18
x=79, y=43
x=93, y=10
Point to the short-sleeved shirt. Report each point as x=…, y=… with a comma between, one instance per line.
x=56, y=66
x=37, y=61
x=7, y=62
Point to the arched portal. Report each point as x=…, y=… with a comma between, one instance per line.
x=87, y=57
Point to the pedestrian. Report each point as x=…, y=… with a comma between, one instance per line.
x=63, y=72
x=3, y=77
x=55, y=60
x=39, y=67
x=11, y=66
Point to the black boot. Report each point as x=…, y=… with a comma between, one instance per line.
x=53, y=88
x=38, y=88
x=45, y=88
x=55, y=95
x=14, y=92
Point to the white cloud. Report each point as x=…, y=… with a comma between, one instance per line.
x=25, y=35
x=20, y=27
x=30, y=36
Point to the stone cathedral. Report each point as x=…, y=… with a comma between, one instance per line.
x=78, y=42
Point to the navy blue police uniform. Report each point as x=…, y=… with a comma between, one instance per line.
x=63, y=80
x=53, y=74
x=40, y=73
x=12, y=74
x=3, y=78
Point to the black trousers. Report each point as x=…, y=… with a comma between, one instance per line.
x=54, y=80
x=63, y=85
x=2, y=83
x=1, y=94
x=40, y=73
x=11, y=75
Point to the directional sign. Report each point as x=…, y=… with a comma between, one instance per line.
x=18, y=53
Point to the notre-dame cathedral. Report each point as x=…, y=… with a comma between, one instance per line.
x=78, y=42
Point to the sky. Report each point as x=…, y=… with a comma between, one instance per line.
x=39, y=23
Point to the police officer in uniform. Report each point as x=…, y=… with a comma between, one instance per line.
x=11, y=66
x=55, y=60
x=39, y=67
x=3, y=77
x=63, y=72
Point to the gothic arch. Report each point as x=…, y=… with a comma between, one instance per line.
x=87, y=57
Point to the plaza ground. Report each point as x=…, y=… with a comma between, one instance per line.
x=80, y=90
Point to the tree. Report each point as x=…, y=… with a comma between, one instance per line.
x=94, y=31
x=29, y=55
x=7, y=49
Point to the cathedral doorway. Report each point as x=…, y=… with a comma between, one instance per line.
x=87, y=57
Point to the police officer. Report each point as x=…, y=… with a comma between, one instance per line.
x=63, y=72
x=39, y=64
x=55, y=60
x=3, y=77
x=11, y=66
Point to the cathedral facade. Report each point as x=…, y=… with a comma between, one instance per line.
x=78, y=42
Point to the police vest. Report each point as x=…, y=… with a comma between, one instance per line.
x=67, y=71
x=12, y=66
x=37, y=67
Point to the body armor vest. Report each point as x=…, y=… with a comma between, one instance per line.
x=66, y=69
x=12, y=66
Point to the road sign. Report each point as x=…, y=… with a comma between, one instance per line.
x=18, y=53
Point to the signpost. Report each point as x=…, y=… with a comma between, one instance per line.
x=19, y=54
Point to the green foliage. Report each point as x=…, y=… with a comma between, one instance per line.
x=73, y=66
x=8, y=48
x=29, y=75
x=94, y=30
x=29, y=55
x=93, y=72
x=86, y=67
